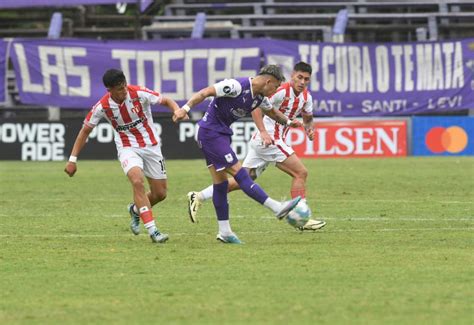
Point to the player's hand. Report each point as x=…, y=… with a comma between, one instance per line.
x=180, y=115
x=266, y=139
x=70, y=168
x=296, y=124
x=310, y=133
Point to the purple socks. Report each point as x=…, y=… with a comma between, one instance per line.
x=249, y=187
x=219, y=198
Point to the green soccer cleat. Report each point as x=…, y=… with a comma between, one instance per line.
x=158, y=237
x=134, y=220
x=228, y=239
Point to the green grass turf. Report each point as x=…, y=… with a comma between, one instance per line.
x=398, y=248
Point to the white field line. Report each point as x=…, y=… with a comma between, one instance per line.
x=240, y=232
x=333, y=219
x=109, y=199
x=370, y=219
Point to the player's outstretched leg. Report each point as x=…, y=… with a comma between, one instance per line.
x=281, y=209
x=134, y=219
x=193, y=206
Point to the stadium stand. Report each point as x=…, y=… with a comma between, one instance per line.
x=368, y=20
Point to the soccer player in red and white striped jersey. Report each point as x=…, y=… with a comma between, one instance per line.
x=128, y=109
x=268, y=145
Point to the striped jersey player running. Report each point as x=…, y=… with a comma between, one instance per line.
x=128, y=109
x=268, y=145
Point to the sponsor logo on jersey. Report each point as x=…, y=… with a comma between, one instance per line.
x=129, y=126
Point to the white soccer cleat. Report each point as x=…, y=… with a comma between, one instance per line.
x=287, y=206
x=313, y=224
x=158, y=237
x=134, y=220
x=193, y=206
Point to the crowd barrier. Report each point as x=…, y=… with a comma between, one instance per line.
x=335, y=138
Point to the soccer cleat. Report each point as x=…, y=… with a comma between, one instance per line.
x=193, y=206
x=287, y=207
x=158, y=237
x=313, y=224
x=228, y=239
x=134, y=220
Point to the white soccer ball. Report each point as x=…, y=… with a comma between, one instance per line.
x=300, y=215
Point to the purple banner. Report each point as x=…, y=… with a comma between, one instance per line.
x=12, y=4
x=3, y=69
x=348, y=79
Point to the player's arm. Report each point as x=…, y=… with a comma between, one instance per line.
x=308, y=125
x=257, y=116
x=197, y=98
x=81, y=140
x=307, y=114
x=170, y=103
x=280, y=118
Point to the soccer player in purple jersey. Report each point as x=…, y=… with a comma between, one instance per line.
x=234, y=99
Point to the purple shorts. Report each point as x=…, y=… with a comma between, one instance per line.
x=216, y=148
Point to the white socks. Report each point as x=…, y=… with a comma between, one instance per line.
x=224, y=227
x=151, y=227
x=273, y=205
x=206, y=193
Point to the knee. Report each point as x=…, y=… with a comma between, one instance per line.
x=137, y=182
x=301, y=174
x=158, y=197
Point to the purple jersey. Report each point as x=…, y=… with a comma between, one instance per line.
x=234, y=100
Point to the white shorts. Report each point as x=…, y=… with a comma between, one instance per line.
x=260, y=157
x=149, y=159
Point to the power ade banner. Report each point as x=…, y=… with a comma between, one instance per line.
x=30, y=140
x=348, y=79
x=443, y=136
x=3, y=69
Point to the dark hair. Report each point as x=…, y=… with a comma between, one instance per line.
x=113, y=77
x=272, y=70
x=303, y=67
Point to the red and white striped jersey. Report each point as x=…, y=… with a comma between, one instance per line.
x=290, y=105
x=132, y=120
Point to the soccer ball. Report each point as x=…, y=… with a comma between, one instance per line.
x=299, y=216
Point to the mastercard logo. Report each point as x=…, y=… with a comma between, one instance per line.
x=452, y=139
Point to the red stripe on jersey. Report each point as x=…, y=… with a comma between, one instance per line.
x=89, y=115
x=283, y=150
x=294, y=108
x=282, y=108
x=127, y=119
x=141, y=114
x=105, y=105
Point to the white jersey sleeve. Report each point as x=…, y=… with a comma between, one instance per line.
x=228, y=88
x=308, y=106
x=94, y=116
x=150, y=96
x=266, y=104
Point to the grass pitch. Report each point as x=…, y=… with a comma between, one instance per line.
x=397, y=249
